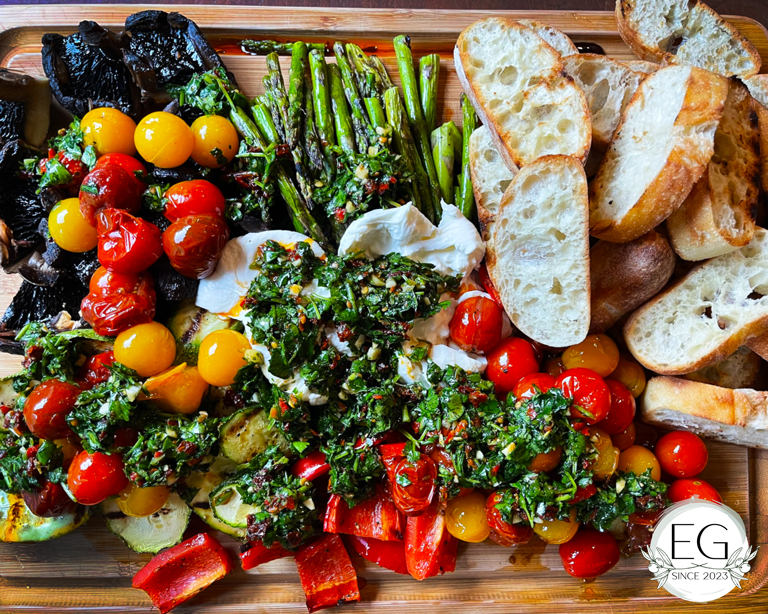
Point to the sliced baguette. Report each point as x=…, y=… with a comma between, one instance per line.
x=625, y=275
x=762, y=122
x=742, y=369
x=608, y=86
x=642, y=66
x=758, y=87
x=733, y=416
x=662, y=146
x=557, y=39
x=707, y=315
x=516, y=83
x=685, y=32
x=490, y=178
x=719, y=214
x=539, y=254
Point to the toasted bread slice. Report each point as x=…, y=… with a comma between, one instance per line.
x=490, y=178
x=685, y=32
x=539, y=254
x=762, y=122
x=706, y=316
x=733, y=416
x=515, y=82
x=642, y=66
x=625, y=275
x=557, y=39
x=719, y=214
x=660, y=149
x=758, y=87
x=742, y=369
x=608, y=86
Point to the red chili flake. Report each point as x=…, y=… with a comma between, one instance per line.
x=158, y=454
x=283, y=405
x=32, y=451
x=340, y=213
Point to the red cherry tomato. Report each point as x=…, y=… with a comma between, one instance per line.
x=108, y=186
x=476, y=324
x=591, y=397
x=196, y=197
x=589, y=554
x=128, y=163
x=194, y=244
x=533, y=384
x=681, y=454
x=509, y=362
x=414, y=485
x=94, y=477
x=625, y=439
x=95, y=369
x=685, y=488
x=118, y=301
x=47, y=406
x=49, y=501
x=502, y=532
x=622, y=410
x=127, y=244
x=645, y=435
x=487, y=282
x=75, y=167
x=583, y=493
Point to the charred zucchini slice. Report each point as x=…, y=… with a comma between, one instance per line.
x=18, y=524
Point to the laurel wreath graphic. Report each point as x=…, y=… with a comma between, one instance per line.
x=660, y=565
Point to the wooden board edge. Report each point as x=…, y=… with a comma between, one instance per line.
x=758, y=531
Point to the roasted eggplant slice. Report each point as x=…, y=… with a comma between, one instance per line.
x=86, y=70
x=25, y=104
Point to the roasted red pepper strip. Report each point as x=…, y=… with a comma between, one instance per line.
x=377, y=517
x=312, y=466
x=390, y=555
x=391, y=454
x=178, y=574
x=326, y=573
x=258, y=553
x=429, y=549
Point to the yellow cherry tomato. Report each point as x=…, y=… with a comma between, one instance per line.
x=70, y=229
x=465, y=518
x=216, y=141
x=148, y=348
x=631, y=374
x=557, y=531
x=596, y=352
x=546, y=461
x=221, y=355
x=179, y=390
x=607, y=454
x=136, y=501
x=638, y=459
x=164, y=139
x=109, y=131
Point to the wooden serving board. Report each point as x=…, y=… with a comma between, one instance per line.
x=91, y=570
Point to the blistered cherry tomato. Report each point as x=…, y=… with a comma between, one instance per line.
x=194, y=244
x=95, y=369
x=109, y=131
x=414, y=485
x=221, y=356
x=129, y=164
x=591, y=397
x=74, y=167
x=47, y=406
x=94, y=477
x=509, y=362
x=179, y=390
x=638, y=460
x=555, y=531
x=49, y=501
x=589, y=554
x=607, y=460
x=597, y=352
x=108, y=186
x=624, y=439
x=686, y=488
x=127, y=244
x=631, y=374
x=533, y=384
x=146, y=348
x=583, y=493
x=546, y=461
x=137, y=502
x=70, y=229
x=117, y=301
x=476, y=324
x=488, y=286
x=465, y=518
x=646, y=435
x=554, y=366
x=682, y=454
x=195, y=197
x=164, y=139
x=622, y=410
x=503, y=532
x=216, y=141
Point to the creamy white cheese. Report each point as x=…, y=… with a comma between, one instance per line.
x=454, y=247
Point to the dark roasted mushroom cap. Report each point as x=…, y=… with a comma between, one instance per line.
x=86, y=70
x=170, y=45
x=11, y=120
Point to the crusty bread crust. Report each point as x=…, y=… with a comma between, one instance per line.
x=693, y=144
x=625, y=275
x=742, y=369
x=762, y=122
x=642, y=66
x=556, y=38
